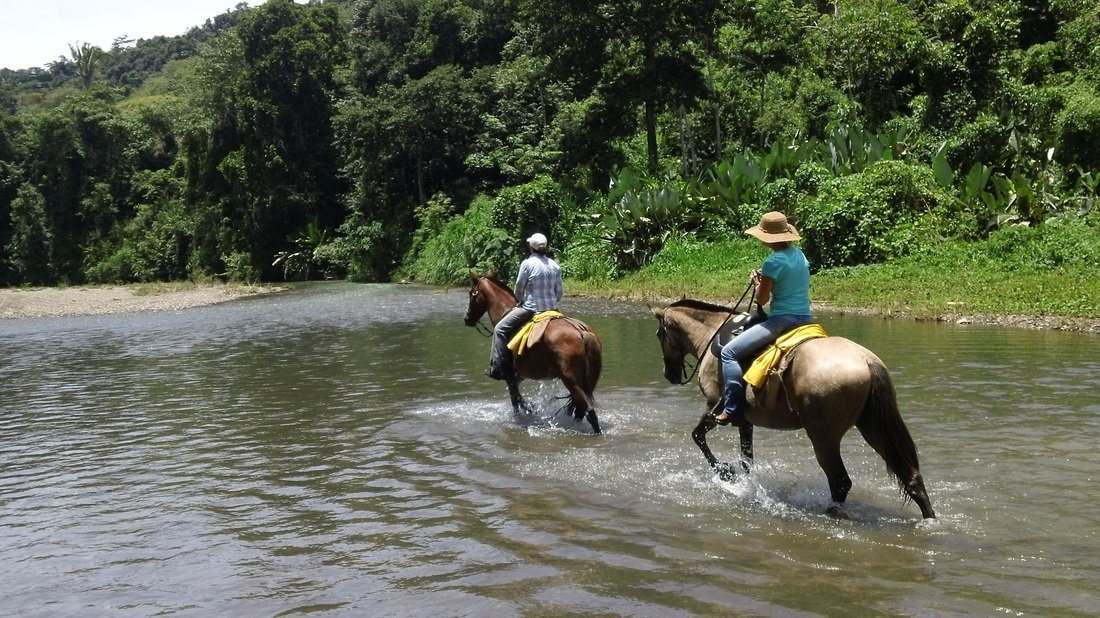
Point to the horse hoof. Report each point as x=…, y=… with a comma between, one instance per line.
x=837, y=511
x=726, y=472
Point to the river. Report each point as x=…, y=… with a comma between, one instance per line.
x=337, y=450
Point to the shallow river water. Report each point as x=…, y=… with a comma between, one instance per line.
x=337, y=450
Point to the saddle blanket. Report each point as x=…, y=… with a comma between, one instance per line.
x=758, y=372
x=518, y=344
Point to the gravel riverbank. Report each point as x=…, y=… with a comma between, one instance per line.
x=18, y=303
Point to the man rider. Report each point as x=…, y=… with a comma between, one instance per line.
x=538, y=288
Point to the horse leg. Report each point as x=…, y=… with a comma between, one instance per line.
x=580, y=404
x=592, y=420
x=725, y=471
x=915, y=490
x=518, y=402
x=828, y=457
x=745, y=431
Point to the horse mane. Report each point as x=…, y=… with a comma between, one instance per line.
x=492, y=277
x=691, y=303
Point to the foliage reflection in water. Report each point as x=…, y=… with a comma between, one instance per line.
x=337, y=449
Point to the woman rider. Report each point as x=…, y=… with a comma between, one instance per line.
x=784, y=280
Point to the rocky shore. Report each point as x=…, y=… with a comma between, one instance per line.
x=98, y=300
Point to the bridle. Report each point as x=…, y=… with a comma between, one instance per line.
x=684, y=365
x=481, y=328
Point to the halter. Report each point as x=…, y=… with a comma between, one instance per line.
x=482, y=329
x=732, y=312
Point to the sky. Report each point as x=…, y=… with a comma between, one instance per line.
x=34, y=33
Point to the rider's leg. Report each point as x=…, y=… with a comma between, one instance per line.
x=500, y=357
x=742, y=347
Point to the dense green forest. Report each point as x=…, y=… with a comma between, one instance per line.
x=376, y=139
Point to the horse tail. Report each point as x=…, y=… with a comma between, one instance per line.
x=881, y=424
x=582, y=401
x=593, y=356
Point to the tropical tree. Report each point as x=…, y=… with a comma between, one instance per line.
x=86, y=57
x=262, y=155
x=620, y=56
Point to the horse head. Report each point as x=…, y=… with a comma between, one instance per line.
x=672, y=350
x=477, y=305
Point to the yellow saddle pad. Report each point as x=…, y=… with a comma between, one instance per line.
x=518, y=344
x=758, y=372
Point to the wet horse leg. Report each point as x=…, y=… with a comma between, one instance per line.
x=580, y=404
x=725, y=471
x=519, y=404
x=828, y=457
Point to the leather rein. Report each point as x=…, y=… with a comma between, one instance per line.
x=732, y=312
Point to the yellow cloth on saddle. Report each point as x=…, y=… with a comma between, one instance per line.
x=518, y=344
x=763, y=363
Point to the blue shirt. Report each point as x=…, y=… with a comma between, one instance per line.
x=790, y=273
x=538, y=285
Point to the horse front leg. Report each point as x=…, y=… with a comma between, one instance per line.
x=725, y=471
x=745, y=432
x=519, y=404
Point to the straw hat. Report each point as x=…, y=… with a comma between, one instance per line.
x=774, y=228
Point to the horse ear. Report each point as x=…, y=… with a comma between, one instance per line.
x=474, y=276
x=658, y=312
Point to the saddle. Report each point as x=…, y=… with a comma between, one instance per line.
x=531, y=332
x=769, y=360
x=763, y=391
x=733, y=327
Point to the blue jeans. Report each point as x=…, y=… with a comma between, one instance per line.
x=746, y=345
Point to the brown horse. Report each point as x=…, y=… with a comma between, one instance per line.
x=568, y=350
x=828, y=385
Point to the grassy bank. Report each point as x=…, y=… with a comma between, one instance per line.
x=1012, y=274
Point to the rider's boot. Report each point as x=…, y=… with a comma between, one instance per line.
x=728, y=410
x=502, y=369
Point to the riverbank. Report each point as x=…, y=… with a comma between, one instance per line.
x=100, y=300
x=956, y=284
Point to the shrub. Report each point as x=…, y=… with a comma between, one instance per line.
x=1067, y=242
x=357, y=253
x=536, y=206
x=889, y=210
x=1078, y=126
x=587, y=256
x=467, y=241
x=238, y=267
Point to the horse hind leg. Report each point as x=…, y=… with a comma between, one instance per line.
x=581, y=406
x=828, y=457
x=592, y=420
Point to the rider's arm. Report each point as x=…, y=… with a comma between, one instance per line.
x=763, y=287
x=522, y=277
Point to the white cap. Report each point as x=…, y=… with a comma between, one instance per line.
x=537, y=241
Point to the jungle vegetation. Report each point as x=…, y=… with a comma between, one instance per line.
x=380, y=139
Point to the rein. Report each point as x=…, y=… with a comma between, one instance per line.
x=482, y=329
x=732, y=312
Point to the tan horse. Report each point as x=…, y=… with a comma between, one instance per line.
x=829, y=385
x=567, y=350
